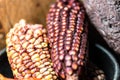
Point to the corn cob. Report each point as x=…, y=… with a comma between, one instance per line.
x=67, y=33
x=27, y=51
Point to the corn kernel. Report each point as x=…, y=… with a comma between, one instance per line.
x=43, y=70
x=35, y=56
x=48, y=77
x=44, y=44
x=42, y=56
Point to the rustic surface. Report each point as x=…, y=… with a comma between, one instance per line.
x=105, y=15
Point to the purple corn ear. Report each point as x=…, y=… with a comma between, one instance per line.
x=67, y=33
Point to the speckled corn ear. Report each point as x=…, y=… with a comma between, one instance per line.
x=67, y=33
x=28, y=54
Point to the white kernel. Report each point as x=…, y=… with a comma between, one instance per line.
x=48, y=77
x=46, y=73
x=39, y=76
x=43, y=70
x=38, y=46
x=14, y=55
x=32, y=40
x=35, y=56
x=42, y=56
x=47, y=63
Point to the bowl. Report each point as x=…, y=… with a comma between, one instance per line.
x=2, y=51
x=104, y=59
x=100, y=56
x=4, y=64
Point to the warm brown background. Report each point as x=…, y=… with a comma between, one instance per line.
x=11, y=11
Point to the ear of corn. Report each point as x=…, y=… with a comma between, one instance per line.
x=27, y=50
x=67, y=33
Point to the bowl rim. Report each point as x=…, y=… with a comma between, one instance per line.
x=2, y=51
x=100, y=47
x=113, y=59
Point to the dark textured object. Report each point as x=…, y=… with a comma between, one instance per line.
x=105, y=60
x=5, y=68
x=105, y=15
x=93, y=72
x=67, y=33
